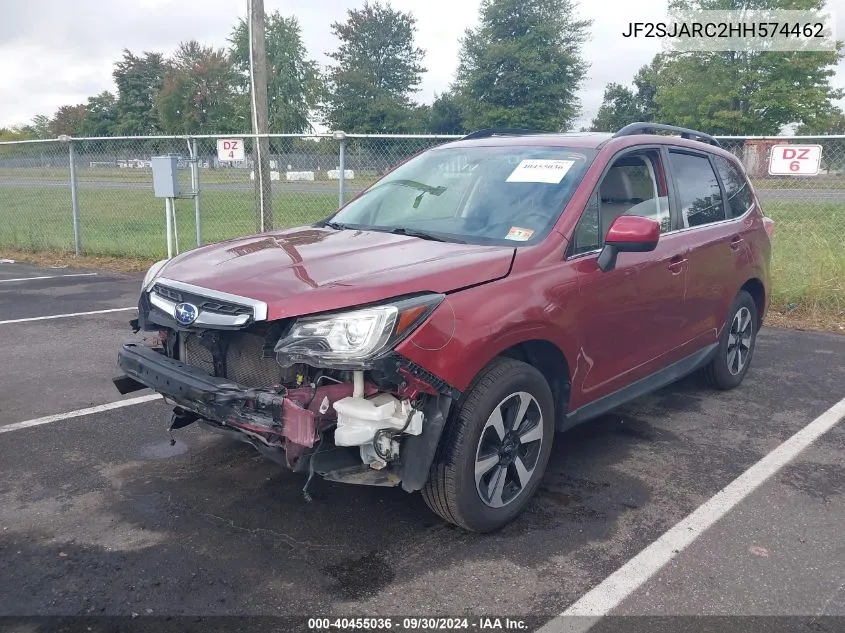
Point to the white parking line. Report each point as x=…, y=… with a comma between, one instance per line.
x=65, y=316
x=605, y=597
x=78, y=413
x=4, y=281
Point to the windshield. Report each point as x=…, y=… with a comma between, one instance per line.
x=481, y=195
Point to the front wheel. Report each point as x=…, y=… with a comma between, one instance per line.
x=495, y=448
x=736, y=345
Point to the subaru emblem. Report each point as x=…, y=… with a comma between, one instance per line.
x=186, y=313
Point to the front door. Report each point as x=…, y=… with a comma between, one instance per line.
x=631, y=319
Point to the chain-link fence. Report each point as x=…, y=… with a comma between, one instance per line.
x=95, y=196
x=808, y=263
x=104, y=203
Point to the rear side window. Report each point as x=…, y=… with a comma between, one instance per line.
x=736, y=187
x=698, y=189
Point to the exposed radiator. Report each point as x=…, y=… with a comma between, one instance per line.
x=244, y=364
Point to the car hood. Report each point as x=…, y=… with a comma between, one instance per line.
x=308, y=270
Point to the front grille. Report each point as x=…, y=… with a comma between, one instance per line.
x=244, y=362
x=205, y=304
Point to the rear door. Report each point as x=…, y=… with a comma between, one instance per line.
x=715, y=241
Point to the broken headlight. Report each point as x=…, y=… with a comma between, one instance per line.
x=351, y=340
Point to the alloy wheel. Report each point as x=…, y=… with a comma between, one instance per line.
x=508, y=449
x=739, y=341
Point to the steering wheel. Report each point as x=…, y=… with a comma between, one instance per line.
x=523, y=221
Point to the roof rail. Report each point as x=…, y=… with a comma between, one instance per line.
x=651, y=128
x=500, y=131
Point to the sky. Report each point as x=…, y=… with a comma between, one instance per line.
x=58, y=52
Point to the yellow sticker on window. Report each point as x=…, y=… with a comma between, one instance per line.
x=519, y=235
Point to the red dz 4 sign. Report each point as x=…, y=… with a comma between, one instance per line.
x=795, y=160
x=230, y=149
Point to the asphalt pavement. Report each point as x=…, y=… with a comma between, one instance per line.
x=100, y=515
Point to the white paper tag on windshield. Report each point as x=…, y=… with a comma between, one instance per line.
x=540, y=170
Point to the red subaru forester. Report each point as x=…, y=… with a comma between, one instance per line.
x=437, y=330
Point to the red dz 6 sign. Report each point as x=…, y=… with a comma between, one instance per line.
x=795, y=160
x=230, y=149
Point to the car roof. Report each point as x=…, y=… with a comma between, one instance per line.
x=587, y=140
x=590, y=140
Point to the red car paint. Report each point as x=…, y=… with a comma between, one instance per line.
x=633, y=230
x=612, y=328
x=307, y=270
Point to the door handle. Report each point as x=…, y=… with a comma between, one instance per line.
x=676, y=264
x=736, y=242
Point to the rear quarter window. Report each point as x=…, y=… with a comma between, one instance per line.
x=737, y=189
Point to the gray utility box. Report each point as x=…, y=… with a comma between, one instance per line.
x=165, y=180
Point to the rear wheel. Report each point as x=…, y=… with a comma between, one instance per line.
x=495, y=448
x=736, y=345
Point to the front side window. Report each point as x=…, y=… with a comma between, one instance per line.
x=737, y=189
x=698, y=189
x=631, y=186
x=483, y=195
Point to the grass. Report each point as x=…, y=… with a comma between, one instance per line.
x=808, y=257
x=131, y=222
x=143, y=177
x=808, y=263
x=810, y=183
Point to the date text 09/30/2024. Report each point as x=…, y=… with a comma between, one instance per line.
x=418, y=624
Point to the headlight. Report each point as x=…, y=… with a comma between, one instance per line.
x=351, y=340
x=152, y=274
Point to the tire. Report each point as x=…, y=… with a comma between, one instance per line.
x=736, y=345
x=472, y=437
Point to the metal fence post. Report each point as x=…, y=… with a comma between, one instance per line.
x=341, y=165
x=195, y=186
x=74, y=200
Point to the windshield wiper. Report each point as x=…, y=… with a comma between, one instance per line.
x=423, y=235
x=337, y=226
x=419, y=186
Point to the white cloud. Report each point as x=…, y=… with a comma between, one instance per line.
x=55, y=52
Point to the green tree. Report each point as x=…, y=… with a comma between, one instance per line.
x=446, y=115
x=623, y=105
x=831, y=122
x=68, y=120
x=197, y=95
x=522, y=66
x=14, y=133
x=745, y=92
x=138, y=79
x=619, y=108
x=101, y=115
x=293, y=85
x=40, y=126
x=646, y=83
x=377, y=67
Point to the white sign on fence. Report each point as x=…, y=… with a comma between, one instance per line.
x=230, y=149
x=795, y=160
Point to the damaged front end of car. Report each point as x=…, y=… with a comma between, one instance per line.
x=324, y=394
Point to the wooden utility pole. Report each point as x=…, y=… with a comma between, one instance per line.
x=258, y=85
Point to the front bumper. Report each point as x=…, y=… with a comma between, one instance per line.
x=263, y=414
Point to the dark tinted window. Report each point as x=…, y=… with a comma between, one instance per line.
x=736, y=187
x=698, y=189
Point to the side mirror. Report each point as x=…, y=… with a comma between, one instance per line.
x=631, y=234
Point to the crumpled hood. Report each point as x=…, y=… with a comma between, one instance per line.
x=308, y=270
